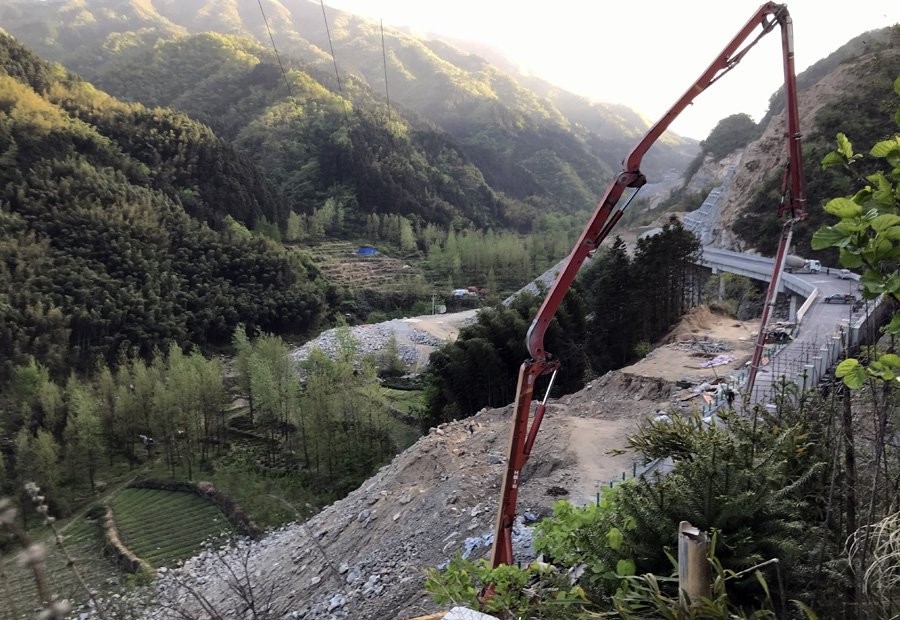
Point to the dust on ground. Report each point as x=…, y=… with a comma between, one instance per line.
x=443, y=326
x=696, y=339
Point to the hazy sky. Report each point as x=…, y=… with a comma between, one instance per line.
x=643, y=53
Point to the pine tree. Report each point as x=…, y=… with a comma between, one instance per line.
x=242, y=361
x=294, y=230
x=407, y=237
x=84, y=441
x=37, y=459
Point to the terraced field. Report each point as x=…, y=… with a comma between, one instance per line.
x=339, y=261
x=163, y=527
x=84, y=541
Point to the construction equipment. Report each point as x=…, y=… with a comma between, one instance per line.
x=605, y=217
x=797, y=264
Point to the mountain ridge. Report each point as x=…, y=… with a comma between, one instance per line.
x=466, y=99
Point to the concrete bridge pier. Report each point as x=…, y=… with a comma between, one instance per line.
x=792, y=311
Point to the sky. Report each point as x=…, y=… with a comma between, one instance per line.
x=642, y=53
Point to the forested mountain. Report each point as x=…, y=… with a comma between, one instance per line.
x=544, y=148
x=312, y=143
x=120, y=228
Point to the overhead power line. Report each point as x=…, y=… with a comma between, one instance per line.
x=331, y=47
x=277, y=55
x=387, y=93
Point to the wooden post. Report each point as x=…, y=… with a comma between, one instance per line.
x=693, y=569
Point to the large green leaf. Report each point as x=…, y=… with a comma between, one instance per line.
x=872, y=281
x=885, y=220
x=890, y=359
x=843, y=207
x=855, y=224
x=883, y=148
x=893, y=158
x=614, y=538
x=892, y=284
x=844, y=147
x=862, y=196
x=827, y=237
x=852, y=372
x=625, y=568
x=832, y=159
x=849, y=259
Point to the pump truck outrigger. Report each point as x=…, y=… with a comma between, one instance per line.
x=605, y=217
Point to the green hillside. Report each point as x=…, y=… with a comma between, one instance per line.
x=548, y=152
x=120, y=228
x=311, y=142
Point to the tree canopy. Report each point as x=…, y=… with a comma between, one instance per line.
x=114, y=228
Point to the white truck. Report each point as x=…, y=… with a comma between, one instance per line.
x=797, y=264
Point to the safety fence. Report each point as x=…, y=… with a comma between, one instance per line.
x=801, y=362
x=808, y=360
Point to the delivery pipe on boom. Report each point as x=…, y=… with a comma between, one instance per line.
x=605, y=216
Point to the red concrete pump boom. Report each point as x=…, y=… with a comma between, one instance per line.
x=605, y=217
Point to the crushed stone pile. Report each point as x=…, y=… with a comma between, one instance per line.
x=410, y=335
x=369, y=339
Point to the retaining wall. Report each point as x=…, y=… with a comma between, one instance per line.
x=122, y=555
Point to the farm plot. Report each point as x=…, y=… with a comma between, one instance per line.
x=84, y=542
x=340, y=262
x=163, y=527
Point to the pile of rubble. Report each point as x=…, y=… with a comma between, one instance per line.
x=366, y=556
x=703, y=346
x=370, y=340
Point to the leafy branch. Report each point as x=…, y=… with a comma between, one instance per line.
x=866, y=236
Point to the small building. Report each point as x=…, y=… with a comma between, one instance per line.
x=367, y=250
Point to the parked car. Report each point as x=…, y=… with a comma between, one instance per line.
x=839, y=298
x=844, y=274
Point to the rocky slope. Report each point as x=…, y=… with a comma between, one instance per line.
x=366, y=555
x=767, y=155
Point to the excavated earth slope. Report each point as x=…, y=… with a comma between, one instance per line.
x=366, y=555
x=766, y=156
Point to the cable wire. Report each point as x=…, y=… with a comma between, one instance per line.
x=277, y=55
x=387, y=93
x=331, y=47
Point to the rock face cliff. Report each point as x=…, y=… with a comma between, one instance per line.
x=366, y=555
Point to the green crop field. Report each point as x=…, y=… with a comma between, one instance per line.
x=404, y=401
x=163, y=527
x=84, y=542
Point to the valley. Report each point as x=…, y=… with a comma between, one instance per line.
x=261, y=323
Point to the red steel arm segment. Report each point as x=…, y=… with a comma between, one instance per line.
x=604, y=218
x=794, y=186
